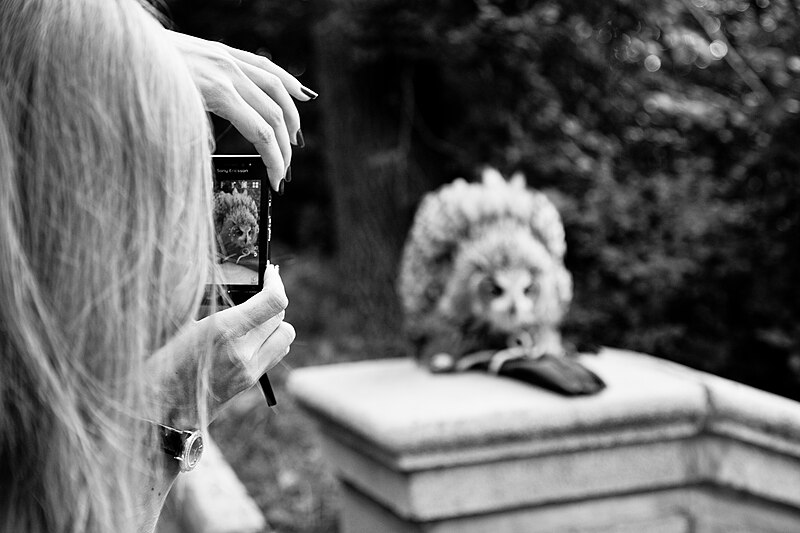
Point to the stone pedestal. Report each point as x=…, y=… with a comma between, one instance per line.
x=662, y=449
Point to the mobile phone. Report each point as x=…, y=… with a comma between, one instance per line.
x=243, y=229
x=242, y=225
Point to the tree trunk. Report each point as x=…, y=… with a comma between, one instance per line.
x=367, y=159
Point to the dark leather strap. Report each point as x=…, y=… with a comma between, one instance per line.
x=563, y=375
x=172, y=440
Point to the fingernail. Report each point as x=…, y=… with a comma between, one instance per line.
x=308, y=92
x=288, y=177
x=281, y=186
x=301, y=142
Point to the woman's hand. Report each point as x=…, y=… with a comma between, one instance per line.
x=251, y=92
x=245, y=341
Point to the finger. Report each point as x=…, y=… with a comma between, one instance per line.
x=267, y=107
x=261, y=332
x=276, y=90
x=256, y=130
x=236, y=321
x=292, y=84
x=249, y=344
x=274, y=348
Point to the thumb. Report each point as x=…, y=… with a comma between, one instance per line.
x=236, y=321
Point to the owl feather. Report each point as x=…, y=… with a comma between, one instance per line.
x=483, y=266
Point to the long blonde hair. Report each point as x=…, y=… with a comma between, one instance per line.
x=105, y=243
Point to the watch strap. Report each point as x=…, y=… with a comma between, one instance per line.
x=186, y=447
x=172, y=440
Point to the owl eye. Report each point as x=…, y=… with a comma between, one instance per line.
x=495, y=289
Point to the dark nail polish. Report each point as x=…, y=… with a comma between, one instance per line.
x=308, y=92
x=288, y=176
x=280, y=187
x=301, y=142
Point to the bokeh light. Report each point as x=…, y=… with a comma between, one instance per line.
x=792, y=105
x=718, y=49
x=652, y=63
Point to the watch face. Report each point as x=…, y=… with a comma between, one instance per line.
x=192, y=451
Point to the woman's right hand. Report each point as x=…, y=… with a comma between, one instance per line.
x=251, y=92
x=244, y=342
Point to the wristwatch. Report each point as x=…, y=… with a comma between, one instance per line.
x=185, y=446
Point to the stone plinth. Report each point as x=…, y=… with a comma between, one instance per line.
x=662, y=449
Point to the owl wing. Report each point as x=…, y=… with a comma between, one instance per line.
x=439, y=225
x=223, y=203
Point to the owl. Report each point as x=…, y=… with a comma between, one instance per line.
x=236, y=225
x=483, y=270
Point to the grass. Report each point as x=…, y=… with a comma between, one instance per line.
x=276, y=453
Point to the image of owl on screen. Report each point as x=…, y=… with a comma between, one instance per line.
x=236, y=225
x=482, y=274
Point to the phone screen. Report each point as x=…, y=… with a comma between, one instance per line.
x=240, y=214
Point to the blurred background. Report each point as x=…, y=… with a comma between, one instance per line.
x=667, y=132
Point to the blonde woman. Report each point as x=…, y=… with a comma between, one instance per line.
x=105, y=245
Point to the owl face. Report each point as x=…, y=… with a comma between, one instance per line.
x=506, y=282
x=506, y=299
x=242, y=236
x=239, y=233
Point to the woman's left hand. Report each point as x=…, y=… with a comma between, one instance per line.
x=244, y=342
